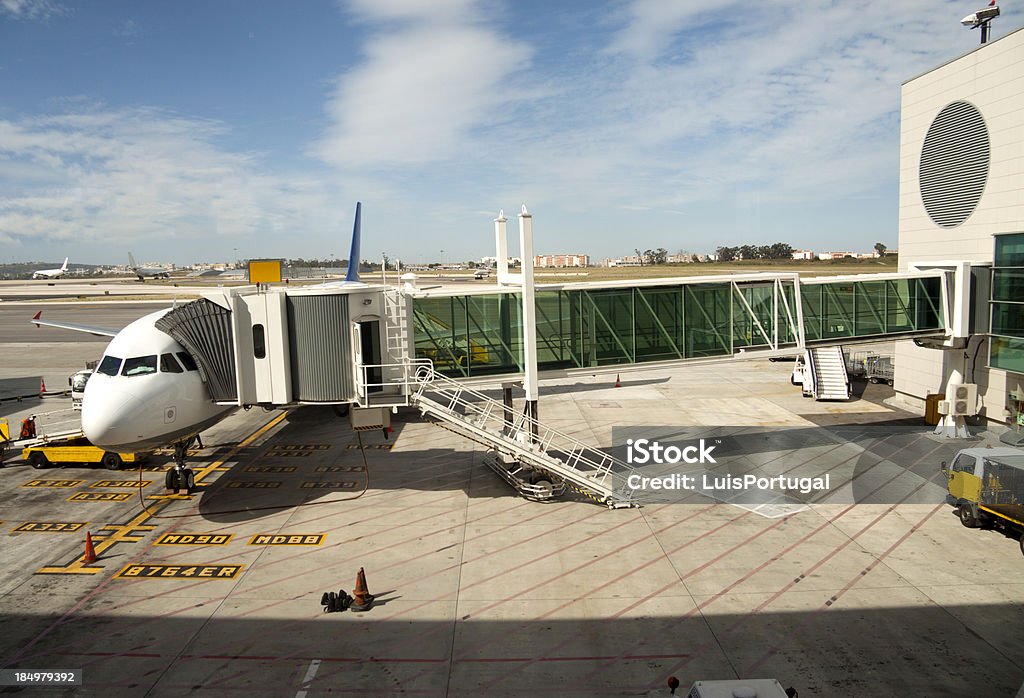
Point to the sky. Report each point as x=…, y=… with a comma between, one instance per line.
x=225, y=129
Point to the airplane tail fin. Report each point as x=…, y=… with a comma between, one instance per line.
x=64, y=266
x=353, y=254
x=131, y=260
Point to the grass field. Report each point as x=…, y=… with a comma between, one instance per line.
x=805, y=268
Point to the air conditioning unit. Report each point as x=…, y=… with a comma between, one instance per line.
x=943, y=406
x=963, y=399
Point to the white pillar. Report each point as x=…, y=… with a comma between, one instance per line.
x=501, y=245
x=529, y=308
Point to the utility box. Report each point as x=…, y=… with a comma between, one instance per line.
x=370, y=418
x=963, y=399
x=932, y=415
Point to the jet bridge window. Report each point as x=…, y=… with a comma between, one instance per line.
x=259, y=342
x=110, y=366
x=187, y=361
x=139, y=365
x=168, y=364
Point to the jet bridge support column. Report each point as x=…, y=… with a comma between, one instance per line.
x=529, y=318
x=525, y=281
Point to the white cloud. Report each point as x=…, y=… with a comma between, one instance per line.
x=39, y=10
x=141, y=175
x=424, y=87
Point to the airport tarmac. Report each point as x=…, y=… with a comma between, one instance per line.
x=480, y=592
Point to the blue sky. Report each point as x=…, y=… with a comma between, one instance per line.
x=184, y=131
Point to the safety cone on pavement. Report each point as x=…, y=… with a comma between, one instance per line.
x=42, y=385
x=618, y=383
x=362, y=598
x=90, y=552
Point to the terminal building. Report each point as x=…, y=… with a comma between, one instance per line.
x=962, y=198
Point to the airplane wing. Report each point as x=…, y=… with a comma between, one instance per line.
x=98, y=331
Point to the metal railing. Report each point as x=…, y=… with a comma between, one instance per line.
x=588, y=469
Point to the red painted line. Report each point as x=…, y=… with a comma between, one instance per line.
x=802, y=575
x=721, y=593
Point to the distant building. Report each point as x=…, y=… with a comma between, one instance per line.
x=803, y=254
x=561, y=260
x=493, y=261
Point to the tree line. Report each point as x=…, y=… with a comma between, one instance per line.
x=778, y=250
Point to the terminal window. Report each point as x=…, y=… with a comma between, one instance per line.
x=1007, y=346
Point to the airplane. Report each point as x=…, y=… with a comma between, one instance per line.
x=51, y=273
x=143, y=272
x=147, y=391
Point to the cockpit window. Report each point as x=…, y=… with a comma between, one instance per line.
x=187, y=361
x=110, y=366
x=168, y=364
x=139, y=365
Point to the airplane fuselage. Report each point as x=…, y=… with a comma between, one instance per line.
x=146, y=392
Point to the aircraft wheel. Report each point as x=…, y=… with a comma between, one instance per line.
x=112, y=461
x=171, y=480
x=967, y=516
x=38, y=460
x=190, y=480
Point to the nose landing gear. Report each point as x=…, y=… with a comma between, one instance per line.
x=181, y=477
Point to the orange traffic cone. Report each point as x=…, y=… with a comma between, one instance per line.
x=362, y=599
x=618, y=383
x=90, y=552
x=42, y=385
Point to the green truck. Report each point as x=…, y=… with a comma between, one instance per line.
x=986, y=485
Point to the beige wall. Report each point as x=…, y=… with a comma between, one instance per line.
x=992, y=79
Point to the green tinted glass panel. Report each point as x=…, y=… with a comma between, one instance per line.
x=899, y=306
x=869, y=308
x=1010, y=250
x=658, y=324
x=1008, y=319
x=494, y=343
x=837, y=313
x=1008, y=284
x=1007, y=354
x=707, y=311
x=610, y=319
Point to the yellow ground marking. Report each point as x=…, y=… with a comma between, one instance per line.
x=124, y=533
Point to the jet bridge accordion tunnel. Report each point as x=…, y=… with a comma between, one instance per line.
x=276, y=348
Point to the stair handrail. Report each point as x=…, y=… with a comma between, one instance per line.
x=597, y=465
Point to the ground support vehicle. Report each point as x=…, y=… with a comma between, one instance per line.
x=77, y=450
x=986, y=485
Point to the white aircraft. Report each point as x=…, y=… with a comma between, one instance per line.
x=147, y=390
x=51, y=273
x=143, y=272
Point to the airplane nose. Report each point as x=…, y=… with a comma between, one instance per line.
x=107, y=419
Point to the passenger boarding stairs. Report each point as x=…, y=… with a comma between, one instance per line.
x=829, y=379
x=542, y=459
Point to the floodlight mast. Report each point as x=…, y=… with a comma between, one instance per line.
x=982, y=18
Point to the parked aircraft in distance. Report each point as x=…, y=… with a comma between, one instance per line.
x=51, y=273
x=143, y=272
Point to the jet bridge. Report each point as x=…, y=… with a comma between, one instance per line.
x=378, y=346
x=580, y=327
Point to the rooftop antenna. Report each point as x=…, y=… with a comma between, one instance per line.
x=982, y=18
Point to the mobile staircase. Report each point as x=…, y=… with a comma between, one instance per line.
x=828, y=373
x=539, y=462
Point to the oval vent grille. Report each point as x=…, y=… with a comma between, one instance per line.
x=954, y=164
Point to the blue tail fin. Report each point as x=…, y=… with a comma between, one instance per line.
x=353, y=254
